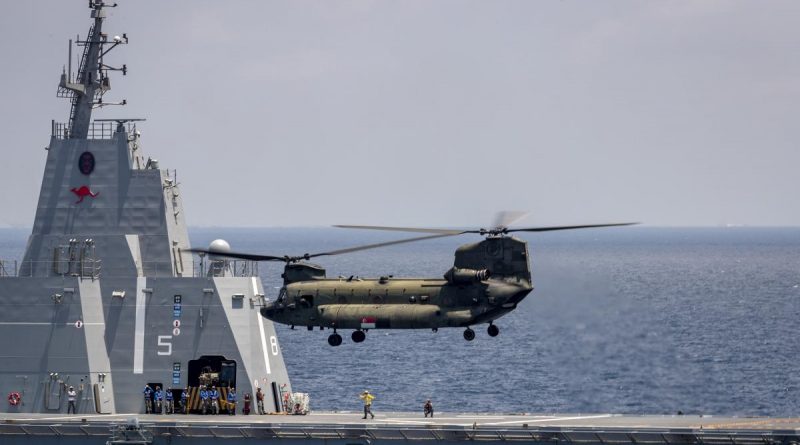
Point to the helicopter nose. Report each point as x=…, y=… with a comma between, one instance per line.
x=268, y=311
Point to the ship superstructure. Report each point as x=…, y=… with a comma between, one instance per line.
x=107, y=299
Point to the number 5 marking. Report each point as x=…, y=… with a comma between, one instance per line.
x=165, y=340
x=274, y=342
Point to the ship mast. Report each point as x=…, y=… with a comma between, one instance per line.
x=87, y=88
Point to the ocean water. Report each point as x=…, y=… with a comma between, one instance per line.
x=623, y=320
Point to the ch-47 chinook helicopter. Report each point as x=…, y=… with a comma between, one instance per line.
x=488, y=279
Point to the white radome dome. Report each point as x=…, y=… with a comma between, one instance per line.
x=219, y=245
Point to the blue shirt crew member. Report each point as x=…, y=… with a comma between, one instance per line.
x=214, y=400
x=148, y=399
x=232, y=401
x=169, y=407
x=184, y=398
x=204, y=396
x=158, y=396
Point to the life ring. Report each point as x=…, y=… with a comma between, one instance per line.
x=14, y=398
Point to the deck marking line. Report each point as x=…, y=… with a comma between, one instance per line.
x=261, y=330
x=43, y=323
x=404, y=422
x=467, y=416
x=554, y=419
x=138, y=334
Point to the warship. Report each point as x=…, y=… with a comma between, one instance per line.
x=107, y=299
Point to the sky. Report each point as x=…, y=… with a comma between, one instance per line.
x=433, y=113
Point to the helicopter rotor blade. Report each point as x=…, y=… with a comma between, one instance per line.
x=240, y=255
x=384, y=244
x=405, y=229
x=508, y=217
x=552, y=228
x=512, y=216
x=307, y=256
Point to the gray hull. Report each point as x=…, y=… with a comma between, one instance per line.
x=107, y=297
x=108, y=347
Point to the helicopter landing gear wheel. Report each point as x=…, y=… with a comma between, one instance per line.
x=469, y=334
x=493, y=330
x=334, y=339
x=358, y=336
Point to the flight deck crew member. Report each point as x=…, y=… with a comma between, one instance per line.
x=232, y=401
x=184, y=400
x=260, y=401
x=246, y=407
x=367, y=398
x=169, y=405
x=204, y=397
x=148, y=399
x=428, y=408
x=71, y=397
x=214, y=394
x=158, y=397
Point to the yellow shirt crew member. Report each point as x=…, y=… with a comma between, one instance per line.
x=367, y=398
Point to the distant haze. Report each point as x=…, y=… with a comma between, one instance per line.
x=309, y=113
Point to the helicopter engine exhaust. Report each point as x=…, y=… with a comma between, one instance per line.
x=466, y=276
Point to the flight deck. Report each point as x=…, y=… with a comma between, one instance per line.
x=401, y=427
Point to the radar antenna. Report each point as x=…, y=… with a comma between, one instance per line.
x=87, y=87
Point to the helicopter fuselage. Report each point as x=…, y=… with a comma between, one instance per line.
x=392, y=303
x=488, y=279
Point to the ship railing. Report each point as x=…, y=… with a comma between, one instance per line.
x=59, y=130
x=8, y=268
x=97, y=130
x=81, y=268
x=135, y=431
x=228, y=268
x=81, y=71
x=385, y=434
x=93, y=268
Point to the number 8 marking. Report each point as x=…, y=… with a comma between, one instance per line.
x=274, y=342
